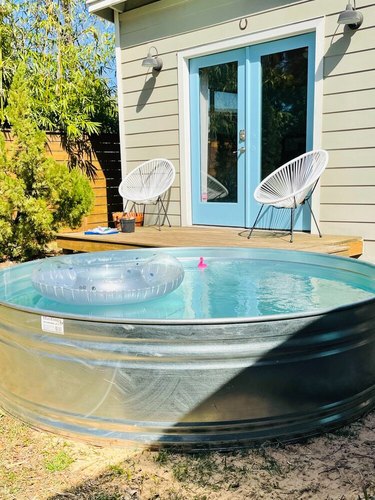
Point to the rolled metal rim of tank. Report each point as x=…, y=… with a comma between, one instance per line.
x=354, y=266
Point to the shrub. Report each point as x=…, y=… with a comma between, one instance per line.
x=38, y=196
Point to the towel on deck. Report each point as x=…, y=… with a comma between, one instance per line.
x=102, y=230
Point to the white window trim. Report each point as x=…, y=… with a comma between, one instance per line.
x=183, y=57
x=120, y=95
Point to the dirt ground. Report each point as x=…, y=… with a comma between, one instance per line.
x=38, y=465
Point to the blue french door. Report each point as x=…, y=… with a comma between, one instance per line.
x=251, y=111
x=217, y=85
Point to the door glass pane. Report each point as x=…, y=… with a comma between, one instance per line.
x=284, y=107
x=218, y=138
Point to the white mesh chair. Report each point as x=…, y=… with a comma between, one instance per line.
x=146, y=185
x=292, y=185
x=215, y=189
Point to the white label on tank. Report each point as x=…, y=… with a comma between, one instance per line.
x=52, y=325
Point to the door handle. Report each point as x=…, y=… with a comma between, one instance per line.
x=239, y=151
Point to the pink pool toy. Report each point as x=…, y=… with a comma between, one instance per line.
x=202, y=264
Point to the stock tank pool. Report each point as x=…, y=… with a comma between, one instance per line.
x=258, y=345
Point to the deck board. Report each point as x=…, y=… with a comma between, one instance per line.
x=146, y=237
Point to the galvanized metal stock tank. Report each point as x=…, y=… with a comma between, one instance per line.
x=209, y=383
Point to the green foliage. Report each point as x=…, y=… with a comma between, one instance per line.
x=38, y=196
x=58, y=462
x=284, y=105
x=7, y=55
x=68, y=56
x=117, y=470
x=222, y=79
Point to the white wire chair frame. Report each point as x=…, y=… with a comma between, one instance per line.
x=215, y=189
x=146, y=185
x=292, y=185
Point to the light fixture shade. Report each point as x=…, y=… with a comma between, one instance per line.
x=353, y=18
x=149, y=61
x=153, y=61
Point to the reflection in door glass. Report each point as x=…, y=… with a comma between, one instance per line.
x=284, y=107
x=218, y=122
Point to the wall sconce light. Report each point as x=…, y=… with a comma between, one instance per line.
x=351, y=16
x=153, y=61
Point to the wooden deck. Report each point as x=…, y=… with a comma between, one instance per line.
x=144, y=237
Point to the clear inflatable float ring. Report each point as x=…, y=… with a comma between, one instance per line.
x=110, y=279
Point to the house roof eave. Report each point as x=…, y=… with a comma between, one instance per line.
x=106, y=8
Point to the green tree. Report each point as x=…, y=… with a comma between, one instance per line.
x=38, y=196
x=67, y=55
x=7, y=55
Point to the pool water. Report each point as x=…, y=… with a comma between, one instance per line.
x=231, y=286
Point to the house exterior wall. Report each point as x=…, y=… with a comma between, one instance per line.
x=151, y=106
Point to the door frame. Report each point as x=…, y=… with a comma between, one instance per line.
x=315, y=25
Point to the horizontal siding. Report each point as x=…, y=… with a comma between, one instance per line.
x=337, y=45
x=134, y=67
x=348, y=195
x=180, y=26
x=352, y=62
x=147, y=139
x=362, y=80
x=353, y=228
x=142, y=98
x=164, y=79
x=151, y=104
x=133, y=164
x=143, y=154
x=175, y=194
x=369, y=251
x=346, y=158
x=340, y=213
x=358, y=176
x=175, y=220
x=342, y=101
x=152, y=110
x=349, y=139
x=147, y=125
x=348, y=189
x=358, y=119
x=196, y=21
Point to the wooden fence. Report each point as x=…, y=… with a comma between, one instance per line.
x=106, y=160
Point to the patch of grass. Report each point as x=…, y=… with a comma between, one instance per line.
x=201, y=468
x=209, y=470
x=269, y=463
x=117, y=470
x=10, y=477
x=14, y=430
x=58, y=462
x=367, y=495
x=174, y=495
x=8, y=482
x=107, y=496
x=348, y=431
x=162, y=457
